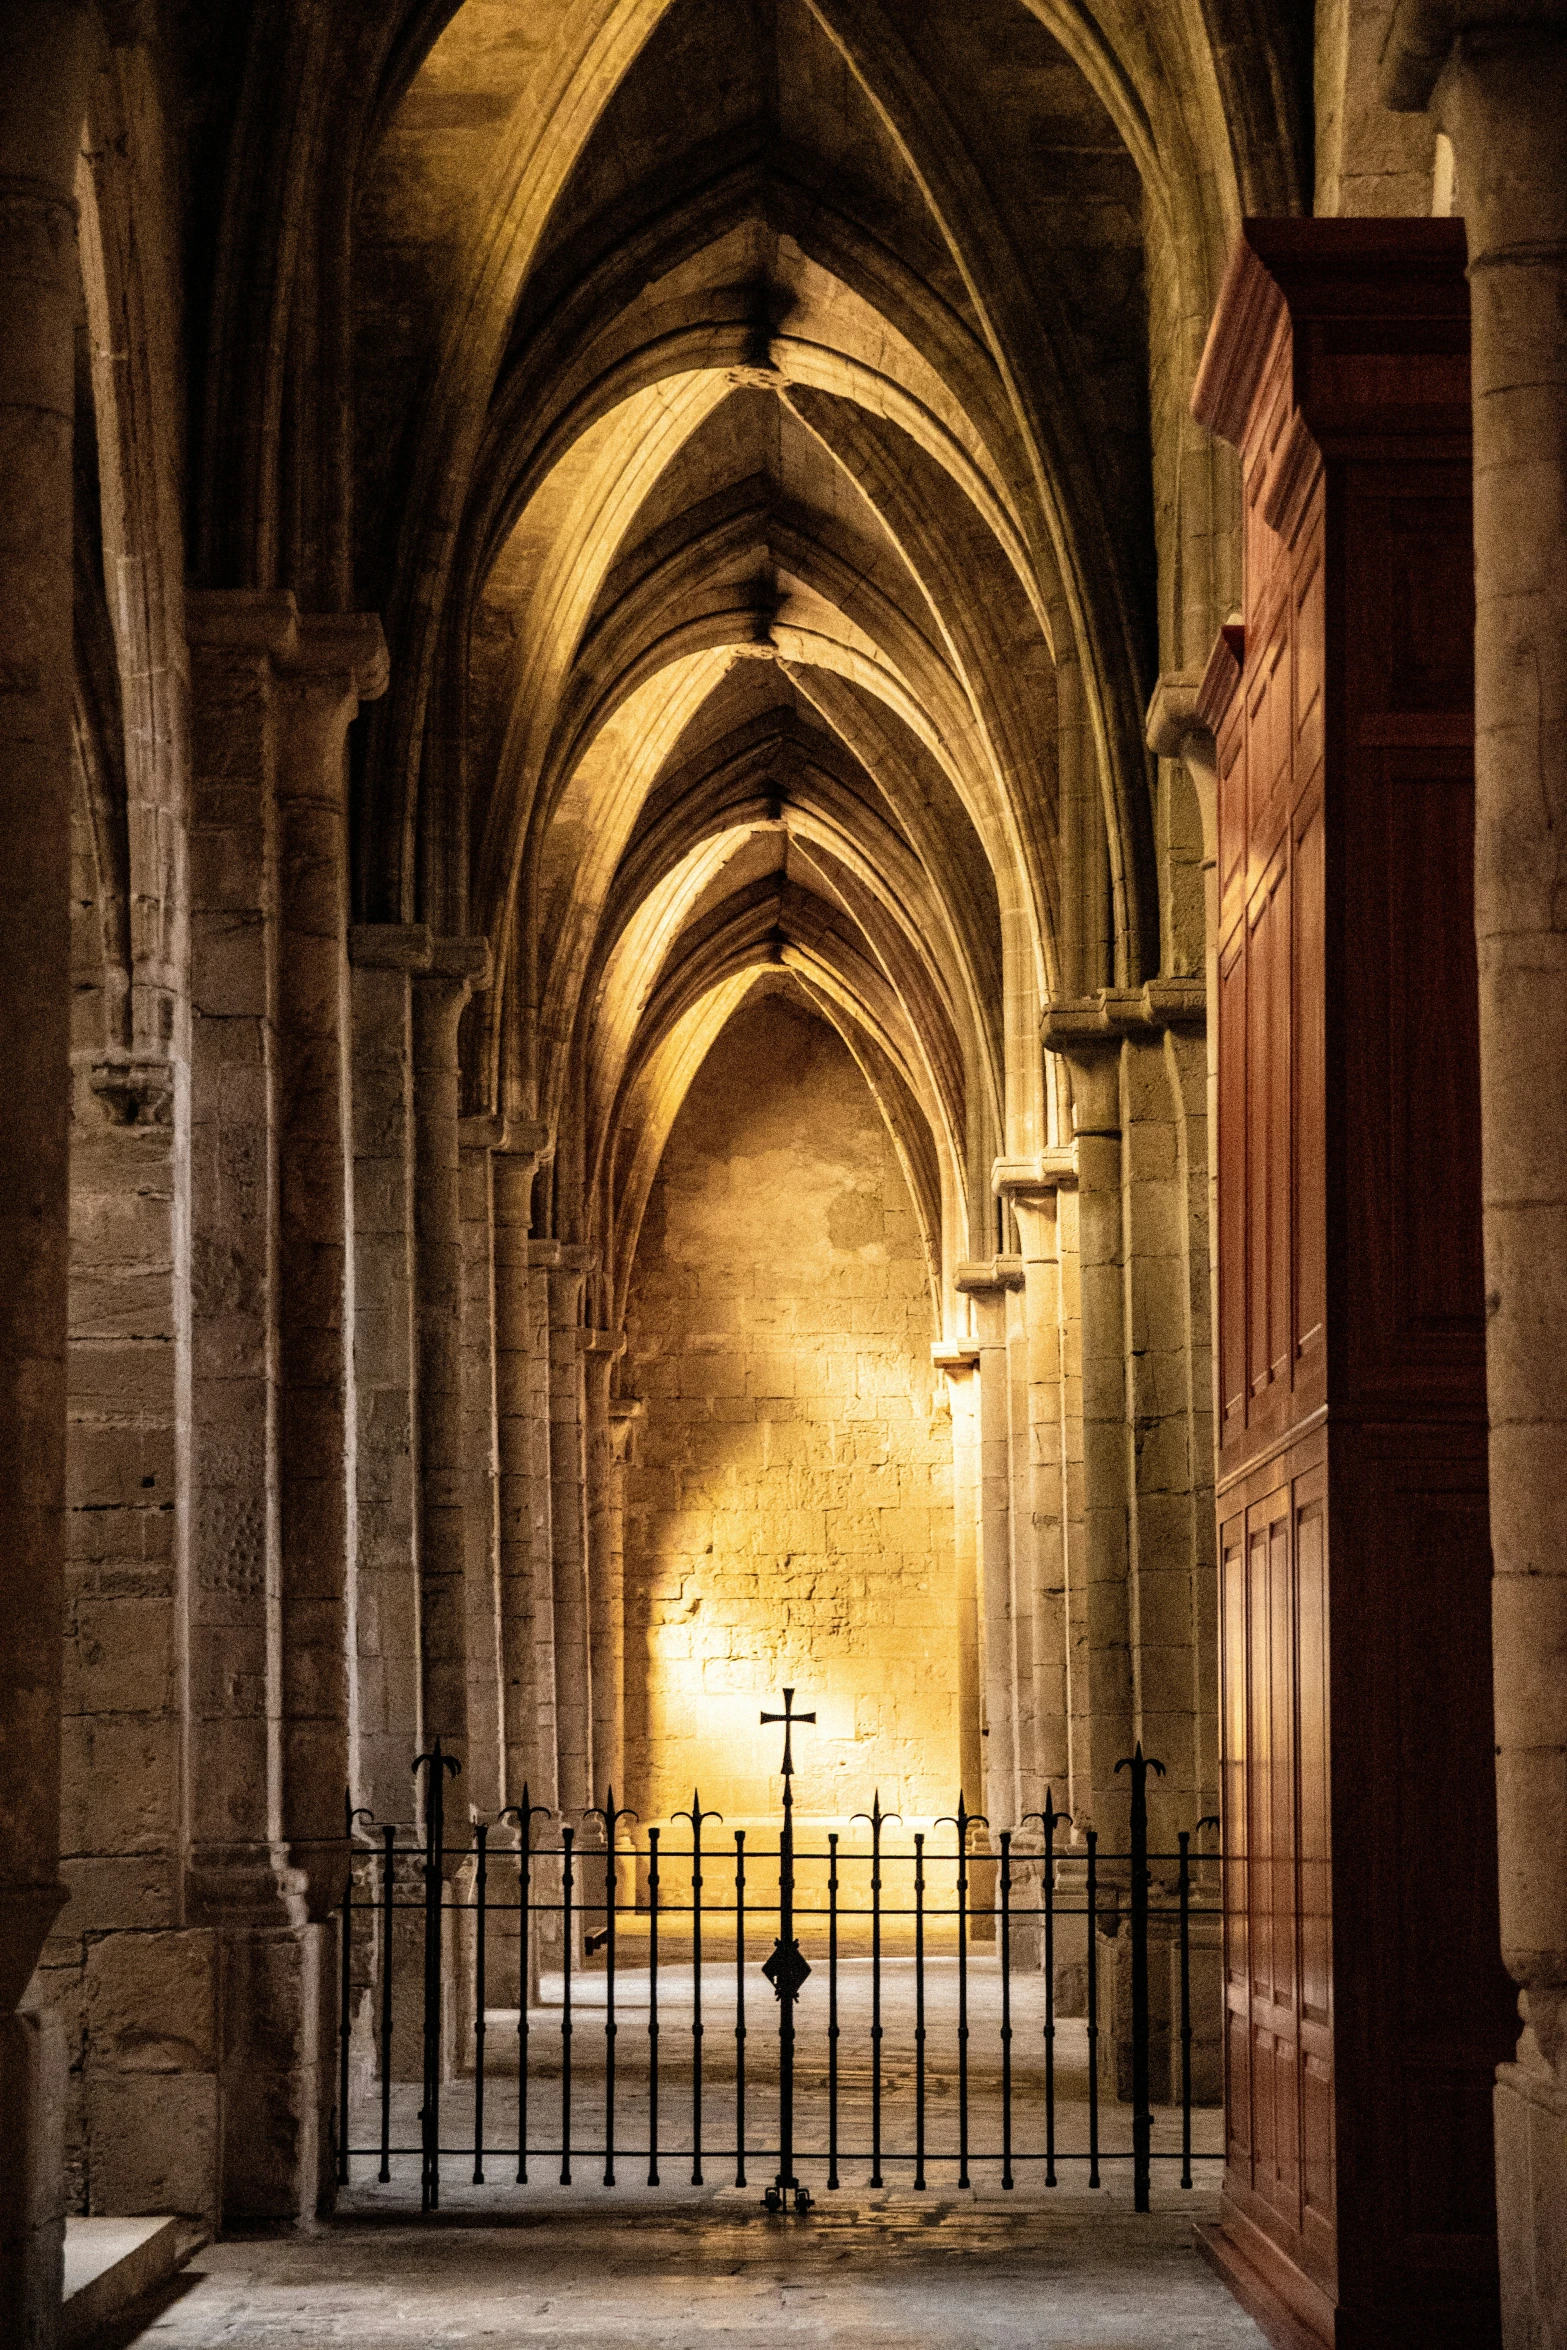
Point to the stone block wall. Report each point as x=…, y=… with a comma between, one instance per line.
x=788, y=1518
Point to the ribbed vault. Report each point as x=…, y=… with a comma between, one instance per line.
x=770, y=388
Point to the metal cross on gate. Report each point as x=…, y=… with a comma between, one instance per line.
x=786, y=1970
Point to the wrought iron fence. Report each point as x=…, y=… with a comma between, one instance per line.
x=424, y=1922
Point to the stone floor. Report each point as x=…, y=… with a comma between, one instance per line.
x=956, y=2275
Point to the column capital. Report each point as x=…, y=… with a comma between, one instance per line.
x=609, y=1345
x=242, y=624
x=1022, y=1181
x=1177, y=726
x=1091, y=1024
x=346, y=646
x=464, y=962
x=956, y=1356
x=391, y=946
x=989, y=1276
x=482, y=1130
x=134, y=1089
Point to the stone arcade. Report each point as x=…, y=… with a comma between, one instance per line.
x=687, y=688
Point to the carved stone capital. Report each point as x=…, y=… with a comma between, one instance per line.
x=391, y=946
x=1025, y=1180
x=133, y=1091
x=989, y=1276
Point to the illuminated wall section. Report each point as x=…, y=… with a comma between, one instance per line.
x=789, y=1519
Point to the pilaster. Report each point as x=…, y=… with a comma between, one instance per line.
x=440, y=993
x=389, y=1715
x=43, y=83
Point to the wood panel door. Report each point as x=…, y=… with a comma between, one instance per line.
x=1366, y=2006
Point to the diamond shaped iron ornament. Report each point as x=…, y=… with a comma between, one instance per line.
x=786, y=1970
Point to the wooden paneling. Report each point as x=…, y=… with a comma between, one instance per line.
x=1365, y=2003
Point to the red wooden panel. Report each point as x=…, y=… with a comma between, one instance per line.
x=1232, y=1191
x=1365, y=2003
x=1309, y=1146
x=1281, y=1318
x=1259, y=1030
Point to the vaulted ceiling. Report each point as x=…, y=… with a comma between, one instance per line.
x=770, y=460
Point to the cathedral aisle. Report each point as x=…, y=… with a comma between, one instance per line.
x=953, y=2274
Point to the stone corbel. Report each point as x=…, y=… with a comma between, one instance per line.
x=1177, y=729
x=134, y=1091
x=391, y=946
x=1076, y=1024
x=989, y=1276
x=485, y=1130
x=1025, y=1182
x=627, y=1417
x=956, y=1356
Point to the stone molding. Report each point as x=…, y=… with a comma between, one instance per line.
x=391, y=946
x=610, y=1343
x=1024, y=1180
x=1078, y=1023
x=989, y=1275
x=956, y=1356
x=482, y=1130
x=266, y=624
x=134, y=1091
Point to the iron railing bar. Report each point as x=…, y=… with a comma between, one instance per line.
x=480, y=1835
x=1006, y=2008
x=740, y=2006
x=832, y=2014
x=388, y=1871
x=1093, y=2008
x=567, y=1839
x=919, y=2013
x=652, y=2020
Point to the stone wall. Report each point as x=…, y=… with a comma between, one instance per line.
x=789, y=1518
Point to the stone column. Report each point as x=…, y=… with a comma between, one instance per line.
x=479, y=1139
x=238, y=1881
x=1094, y=1062
x=1032, y=1187
x=1499, y=91
x=606, y=1563
x=389, y=1717
x=336, y=663
x=440, y=993
x=989, y=1285
x=43, y=84
x=959, y=1359
x=566, y=1266
x=522, y=1438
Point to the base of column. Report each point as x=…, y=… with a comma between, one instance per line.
x=1531, y=2204
x=32, y=2162
x=277, y=2076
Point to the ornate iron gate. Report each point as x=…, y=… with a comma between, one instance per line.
x=447, y=1910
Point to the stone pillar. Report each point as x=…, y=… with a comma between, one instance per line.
x=601, y=1350
x=1032, y=1187
x=440, y=993
x=522, y=1438
x=43, y=83
x=389, y=1719
x=566, y=1266
x=479, y=1139
x=335, y=663
x=960, y=1361
x=1094, y=1063
x=990, y=1285
x=238, y=1879
x=1499, y=91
